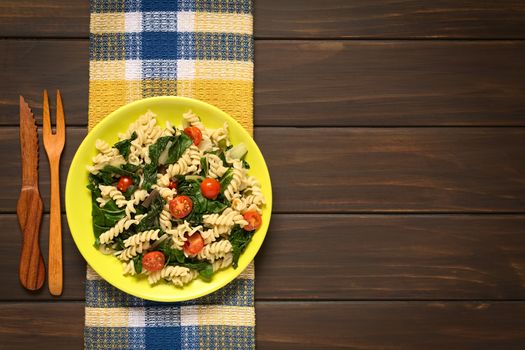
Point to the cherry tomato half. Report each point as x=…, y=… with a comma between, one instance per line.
x=172, y=185
x=124, y=183
x=210, y=188
x=153, y=261
x=194, y=244
x=254, y=220
x=195, y=134
x=181, y=206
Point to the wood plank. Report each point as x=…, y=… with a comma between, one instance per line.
x=317, y=83
x=357, y=169
x=389, y=19
x=391, y=325
x=369, y=257
x=305, y=19
x=392, y=257
x=52, y=18
x=56, y=325
x=310, y=325
x=369, y=83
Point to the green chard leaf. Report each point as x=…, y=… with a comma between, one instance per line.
x=239, y=238
x=124, y=145
x=151, y=220
x=179, y=145
x=129, y=191
x=137, y=263
x=204, y=167
x=150, y=170
x=226, y=179
x=110, y=170
x=106, y=217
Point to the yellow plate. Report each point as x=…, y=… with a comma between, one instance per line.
x=78, y=197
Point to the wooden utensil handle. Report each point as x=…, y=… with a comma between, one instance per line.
x=31, y=268
x=55, y=234
x=22, y=218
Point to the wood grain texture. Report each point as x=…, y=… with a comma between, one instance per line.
x=389, y=19
x=50, y=18
x=395, y=169
x=365, y=83
x=359, y=169
x=305, y=19
x=391, y=325
x=375, y=257
x=318, y=83
x=307, y=325
x=54, y=145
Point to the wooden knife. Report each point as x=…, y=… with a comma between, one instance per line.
x=29, y=207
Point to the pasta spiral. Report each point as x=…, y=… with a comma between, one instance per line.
x=216, y=168
x=222, y=223
x=215, y=250
x=141, y=237
x=133, y=251
x=129, y=268
x=222, y=263
x=165, y=218
x=168, y=272
x=113, y=193
x=120, y=226
x=219, y=137
x=235, y=184
x=182, y=280
x=188, y=162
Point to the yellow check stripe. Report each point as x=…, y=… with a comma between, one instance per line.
x=91, y=275
x=206, y=315
x=223, y=23
x=101, y=23
x=249, y=272
x=107, y=317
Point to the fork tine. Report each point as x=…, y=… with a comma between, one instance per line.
x=60, y=125
x=46, y=123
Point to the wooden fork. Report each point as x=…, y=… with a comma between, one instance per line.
x=54, y=144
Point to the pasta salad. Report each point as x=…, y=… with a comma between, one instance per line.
x=173, y=203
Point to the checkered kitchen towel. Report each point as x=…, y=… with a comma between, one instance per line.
x=196, y=48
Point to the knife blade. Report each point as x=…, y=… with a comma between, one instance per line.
x=29, y=208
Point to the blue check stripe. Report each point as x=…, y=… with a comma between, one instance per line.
x=171, y=46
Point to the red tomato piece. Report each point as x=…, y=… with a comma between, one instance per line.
x=153, y=261
x=123, y=183
x=181, y=206
x=194, y=244
x=254, y=220
x=210, y=188
x=172, y=185
x=195, y=134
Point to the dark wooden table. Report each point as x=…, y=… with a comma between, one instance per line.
x=394, y=133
